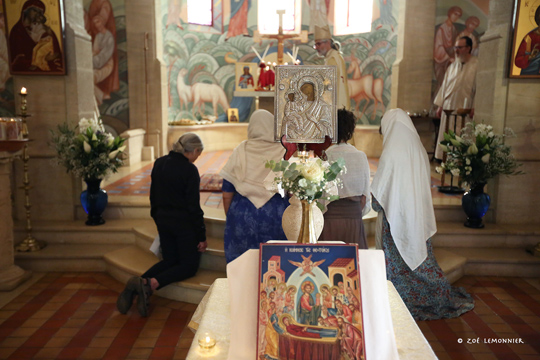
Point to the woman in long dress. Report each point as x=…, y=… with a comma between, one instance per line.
x=253, y=213
x=343, y=218
x=402, y=196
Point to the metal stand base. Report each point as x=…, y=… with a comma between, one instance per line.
x=451, y=190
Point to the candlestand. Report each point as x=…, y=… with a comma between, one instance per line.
x=28, y=244
x=451, y=189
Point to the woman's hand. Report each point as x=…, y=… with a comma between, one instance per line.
x=202, y=246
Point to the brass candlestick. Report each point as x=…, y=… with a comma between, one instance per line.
x=28, y=244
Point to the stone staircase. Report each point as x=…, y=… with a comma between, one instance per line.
x=121, y=247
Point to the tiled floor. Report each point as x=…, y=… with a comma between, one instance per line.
x=74, y=316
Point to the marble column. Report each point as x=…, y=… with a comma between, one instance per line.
x=11, y=275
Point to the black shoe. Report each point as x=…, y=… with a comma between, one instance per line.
x=144, y=291
x=125, y=300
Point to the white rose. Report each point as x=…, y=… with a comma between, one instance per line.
x=313, y=172
x=455, y=172
x=302, y=183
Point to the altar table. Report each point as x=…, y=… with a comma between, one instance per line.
x=214, y=314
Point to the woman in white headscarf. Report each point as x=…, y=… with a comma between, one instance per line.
x=253, y=213
x=343, y=219
x=401, y=192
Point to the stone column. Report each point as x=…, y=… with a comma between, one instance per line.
x=515, y=103
x=11, y=275
x=147, y=73
x=413, y=68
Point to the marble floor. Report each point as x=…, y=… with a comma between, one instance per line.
x=74, y=316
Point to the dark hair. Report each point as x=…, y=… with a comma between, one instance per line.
x=468, y=41
x=346, y=125
x=537, y=16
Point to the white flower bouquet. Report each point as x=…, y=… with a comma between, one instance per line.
x=90, y=152
x=315, y=179
x=478, y=154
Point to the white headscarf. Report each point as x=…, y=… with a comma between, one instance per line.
x=356, y=179
x=402, y=187
x=245, y=168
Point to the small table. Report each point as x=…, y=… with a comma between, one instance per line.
x=213, y=313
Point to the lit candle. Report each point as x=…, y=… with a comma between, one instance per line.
x=23, y=91
x=207, y=341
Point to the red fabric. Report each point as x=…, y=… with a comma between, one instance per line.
x=522, y=59
x=296, y=349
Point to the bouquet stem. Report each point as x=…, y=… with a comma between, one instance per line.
x=307, y=228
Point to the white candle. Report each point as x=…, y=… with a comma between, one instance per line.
x=23, y=91
x=465, y=104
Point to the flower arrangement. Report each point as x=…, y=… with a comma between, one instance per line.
x=478, y=154
x=90, y=153
x=310, y=180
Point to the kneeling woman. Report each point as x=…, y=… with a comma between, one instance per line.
x=253, y=213
x=402, y=195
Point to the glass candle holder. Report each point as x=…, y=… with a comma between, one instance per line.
x=207, y=341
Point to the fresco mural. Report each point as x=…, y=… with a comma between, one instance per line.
x=201, y=66
x=105, y=21
x=7, y=99
x=454, y=19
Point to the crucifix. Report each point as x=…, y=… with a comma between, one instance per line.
x=303, y=37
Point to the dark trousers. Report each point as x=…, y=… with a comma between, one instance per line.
x=179, y=249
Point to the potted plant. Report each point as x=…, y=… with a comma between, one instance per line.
x=91, y=153
x=476, y=156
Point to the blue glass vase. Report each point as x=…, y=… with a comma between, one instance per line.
x=475, y=203
x=94, y=201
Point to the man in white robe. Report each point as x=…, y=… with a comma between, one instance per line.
x=326, y=47
x=458, y=88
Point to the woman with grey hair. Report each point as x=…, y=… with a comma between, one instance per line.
x=176, y=210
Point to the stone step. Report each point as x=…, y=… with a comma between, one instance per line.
x=67, y=257
x=133, y=261
x=454, y=234
x=451, y=264
x=114, y=231
x=454, y=213
x=497, y=261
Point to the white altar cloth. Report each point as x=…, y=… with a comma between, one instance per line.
x=390, y=330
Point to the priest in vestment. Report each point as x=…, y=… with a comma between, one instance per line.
x=326, y=47
x=458, y=88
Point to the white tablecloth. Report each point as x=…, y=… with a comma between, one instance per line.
x=390, y=330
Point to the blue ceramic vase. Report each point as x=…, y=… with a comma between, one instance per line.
x=94, y=201
x=475, y=203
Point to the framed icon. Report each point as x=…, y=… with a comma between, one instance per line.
x=35, y=37
x=525, y=54
x=246, y=76
x=232, y=115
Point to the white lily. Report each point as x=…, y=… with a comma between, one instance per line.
x=113, y=154
x=485, y=158
x=87, y=147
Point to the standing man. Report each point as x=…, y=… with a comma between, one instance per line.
x=327, y=48
x=458, y=87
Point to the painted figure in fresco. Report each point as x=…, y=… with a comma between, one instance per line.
x=33, y=45
x=289, y=300
x=307, y=265
x=173, y=16
x=4, y=57
x=471, y=24
x=443, y=49
x=239, y=16
x=528, y=54
x=318, y=10
x=306, y=114
x=351, y=340
x=272, y=332
x=246, y=79
x=101, y=26
x=263, y=321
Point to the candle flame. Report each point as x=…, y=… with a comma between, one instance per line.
x=23, y=91
x=208, y=339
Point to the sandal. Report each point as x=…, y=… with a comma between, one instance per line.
x=125, y=299
x=144, y=291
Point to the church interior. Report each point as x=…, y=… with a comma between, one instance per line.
x=165, y=76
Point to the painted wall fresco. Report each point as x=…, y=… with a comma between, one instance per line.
x=454, y=19
x=201, y=66
x=105, y=21
x=7, y=99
